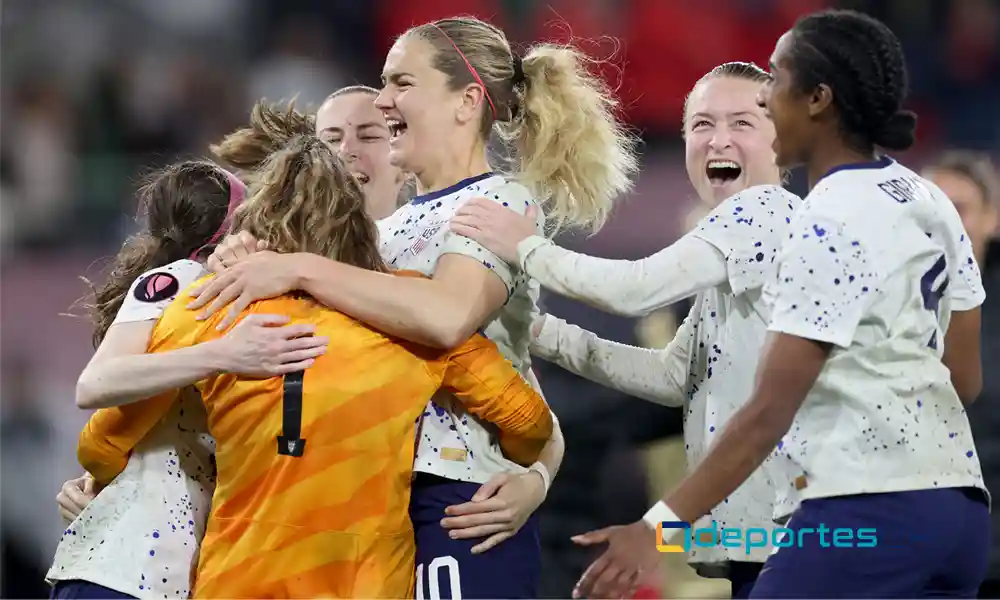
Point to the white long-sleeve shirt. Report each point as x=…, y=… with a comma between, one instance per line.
x=710, y=365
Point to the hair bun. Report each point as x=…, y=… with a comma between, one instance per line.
x=899, y=132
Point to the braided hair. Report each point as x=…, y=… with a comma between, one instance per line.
x=862, y=61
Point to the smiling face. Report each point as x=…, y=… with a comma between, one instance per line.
x=357, y=131
x=418, y=105
x=793, y=112
x=727, y=139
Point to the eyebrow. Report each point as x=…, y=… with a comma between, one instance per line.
x=739, y=113
x=394, y=76
x=340, y=130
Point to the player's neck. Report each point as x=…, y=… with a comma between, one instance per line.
x=825, y=160
x=450, y=172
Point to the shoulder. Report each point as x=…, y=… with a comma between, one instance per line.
x=151, y=293
x=508, y=192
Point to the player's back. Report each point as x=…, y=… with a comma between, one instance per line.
x=314, y=468
x=886, y=260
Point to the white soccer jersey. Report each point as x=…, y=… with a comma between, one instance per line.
x=454, y=444
x=140, y=535
x=874, y=264
x=709, y=367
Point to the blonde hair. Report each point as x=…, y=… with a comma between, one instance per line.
x=271, y=128
x=304, y=200
x=570, y=150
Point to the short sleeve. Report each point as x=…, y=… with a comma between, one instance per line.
x=824, y=283
x=748, y=229
x=967, y=291
x=153, y=292
x=515, y=197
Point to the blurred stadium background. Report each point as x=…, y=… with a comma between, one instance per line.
x=96, y=91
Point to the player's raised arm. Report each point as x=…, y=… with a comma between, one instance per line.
x=735, y=243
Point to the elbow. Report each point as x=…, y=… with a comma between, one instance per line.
x=449, y=331
x=968, y=388
x=88, y=396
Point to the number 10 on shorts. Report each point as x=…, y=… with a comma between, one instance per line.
x=668, y=530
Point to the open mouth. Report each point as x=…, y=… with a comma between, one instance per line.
x=361, y=178
x=396, y=128
x=721, y=172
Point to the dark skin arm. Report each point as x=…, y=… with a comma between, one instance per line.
x=788, y=369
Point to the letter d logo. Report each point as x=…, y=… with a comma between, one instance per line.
x=668, y=530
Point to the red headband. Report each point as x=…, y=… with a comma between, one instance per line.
x=237, y=192
x=472, y=70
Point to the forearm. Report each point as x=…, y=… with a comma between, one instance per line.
x=625, y=287
x=659, y=376
x=418, y=310
x=552, y=454
x=119, y=380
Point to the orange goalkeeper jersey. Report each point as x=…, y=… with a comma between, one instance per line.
x=314, y=468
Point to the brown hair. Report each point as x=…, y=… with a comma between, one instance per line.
x=271, y=127
x=571, y=151
x=303, y=200
x=977, y=167
x=182, y=206
x=734, y=70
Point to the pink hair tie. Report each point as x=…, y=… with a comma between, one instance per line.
x=237, y=193
x=472, y=70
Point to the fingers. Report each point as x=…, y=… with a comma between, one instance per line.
x=223, y=297
x=299, y=356
x=584, y=587
x=89, y=486
x=591, y=538
x=492, y=541
x=215, y=266
x=247, y=245
x=271, y=321
x=294, y=367
x=471, y=508
x=207, y=291
x=465, y=230
x=491, y=487
x=299, y=330
x=474, y=520
x=479, y=531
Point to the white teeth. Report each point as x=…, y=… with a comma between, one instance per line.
x=393, y=122
x=722, y=164
x=361, y=177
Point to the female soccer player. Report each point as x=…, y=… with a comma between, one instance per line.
x=113, y=381
x=345, y=427
x=139, y=537
x=351, y=123
x=873, y=349
x=709, y=366
x=448, y=85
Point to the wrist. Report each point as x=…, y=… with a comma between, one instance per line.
x=215, y=355
x=661, y=513
x=543, y=474
x=299, y=265
x=526, y=246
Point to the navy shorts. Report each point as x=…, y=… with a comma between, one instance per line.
x=84, y=590
x=446, y=568
x=926, y=543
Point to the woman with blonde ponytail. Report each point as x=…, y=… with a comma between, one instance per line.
x=448, y=86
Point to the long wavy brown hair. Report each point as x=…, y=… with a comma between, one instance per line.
x=270, y=129
x=181, y=207
x=302, y=199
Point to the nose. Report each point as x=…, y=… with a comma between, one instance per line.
x=721, y=138
x=348, y=149
x=383, y=100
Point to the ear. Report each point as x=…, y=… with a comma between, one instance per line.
x=472, y=98
x=820, y=99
